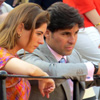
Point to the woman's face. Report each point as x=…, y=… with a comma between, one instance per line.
x=29, y=44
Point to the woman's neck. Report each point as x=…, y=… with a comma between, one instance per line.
x=14, y=50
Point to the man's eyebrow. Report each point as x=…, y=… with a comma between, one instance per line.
x=66, y=32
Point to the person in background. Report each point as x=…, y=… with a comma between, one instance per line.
x=4, y=7
x=17, y=2
x=2, y=17
x=10, y=2
x=58, y=57
x=23, y=29
x=4, y=10
x=14, y=3
x=89, y=36
x=44, y=3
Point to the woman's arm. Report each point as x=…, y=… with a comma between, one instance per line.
x=94, y=17
x=17, y=66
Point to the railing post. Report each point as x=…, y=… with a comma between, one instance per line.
x=75, y=90
x=2, y=86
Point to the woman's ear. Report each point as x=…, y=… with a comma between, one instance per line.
x=20, y=28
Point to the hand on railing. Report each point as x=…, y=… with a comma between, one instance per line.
x=46, y=87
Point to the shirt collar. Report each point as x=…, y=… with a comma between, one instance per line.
x=56, y=55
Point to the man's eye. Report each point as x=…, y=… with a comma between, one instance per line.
x=76, y=33
x=65, y=34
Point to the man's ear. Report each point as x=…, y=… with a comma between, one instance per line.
x=20, y=28
x=47, y=33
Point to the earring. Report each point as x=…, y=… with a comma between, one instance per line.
x=19, y=35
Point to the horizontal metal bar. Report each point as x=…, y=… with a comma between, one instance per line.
x=3, y=74
x=26, y=76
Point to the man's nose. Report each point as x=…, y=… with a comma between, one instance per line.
x=72, y=39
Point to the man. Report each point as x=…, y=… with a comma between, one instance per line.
x=60, y=39
x=91, y=34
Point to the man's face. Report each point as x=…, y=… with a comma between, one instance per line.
x=63, y=41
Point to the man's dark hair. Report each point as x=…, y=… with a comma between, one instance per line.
x=62, y=16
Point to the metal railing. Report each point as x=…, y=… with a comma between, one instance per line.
x=4, y=75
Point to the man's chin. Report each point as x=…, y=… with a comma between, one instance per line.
x=68, y=53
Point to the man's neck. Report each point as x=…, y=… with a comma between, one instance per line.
x=56, y=55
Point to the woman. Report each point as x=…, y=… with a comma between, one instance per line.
x=24, y=27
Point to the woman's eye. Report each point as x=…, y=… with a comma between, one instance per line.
x=38, y=33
